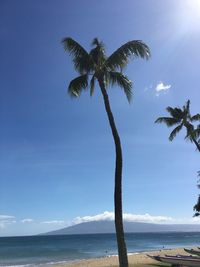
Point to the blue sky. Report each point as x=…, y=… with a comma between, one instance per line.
x=57, y=154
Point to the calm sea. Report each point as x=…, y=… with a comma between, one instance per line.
x=47, y=250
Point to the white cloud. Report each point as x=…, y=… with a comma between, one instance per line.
x=27, y=220
x=57, y=222
x=105, y=216
x=195, y=220
x=161, y=87
x=146, y=218
x=5, y=220
x=109, y=216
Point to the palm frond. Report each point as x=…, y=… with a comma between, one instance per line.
x=193, y=134
x=186, y=110
x=97, y=42
x=197, y=132
x=195, y=117
x=120, y=58
x=190, y=132
x=175, y=131
x=187, y=106
x=175, y=112
x=92, y=84
x=80, y=56
x=168, y=121
x=197, y=206
x=97, y=54
x=123, y=81
x=77, y=85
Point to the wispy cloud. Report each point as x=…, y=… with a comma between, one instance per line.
x=27, y=220
x=6, y=219
x=161, y=87
x=55, y=222
x=109, y=216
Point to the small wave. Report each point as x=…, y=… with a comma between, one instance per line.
x=17, y=265
x=129, y=254
x=46, y=264
x=113, y=255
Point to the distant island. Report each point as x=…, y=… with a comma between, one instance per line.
x=105, y=227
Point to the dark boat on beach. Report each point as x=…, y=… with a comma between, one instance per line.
x=193, y=251
x=179, y=260
x=183, y=256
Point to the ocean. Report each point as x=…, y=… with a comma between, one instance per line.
x=43, y=251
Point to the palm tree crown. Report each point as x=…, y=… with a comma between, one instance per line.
x=182, y=118
x=96, y=65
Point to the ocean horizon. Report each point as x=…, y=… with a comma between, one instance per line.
x=30, y=251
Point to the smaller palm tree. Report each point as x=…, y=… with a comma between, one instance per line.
x=197, y=205
x=182, y=118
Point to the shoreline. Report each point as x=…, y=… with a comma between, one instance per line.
x=135, y=259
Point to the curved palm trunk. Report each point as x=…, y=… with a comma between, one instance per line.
x=122, y=251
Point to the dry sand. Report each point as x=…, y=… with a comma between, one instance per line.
x=134, y=259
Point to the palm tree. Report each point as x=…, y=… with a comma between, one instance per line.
x=93, y=67
x=197, y=205
x=182, y=118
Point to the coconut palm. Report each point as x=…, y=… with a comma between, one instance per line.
x=95, y=67
x=197, y=205
x=182, y=118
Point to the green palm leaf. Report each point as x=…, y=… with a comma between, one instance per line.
x=92, y=84
x=186, y=111
x=190, y=132
x=80, y=57
x=77, y=85
x=120, y=58
x=97, y=54
x=196, y=133
x=175, y=131
x=175, y=112
x=187, y=106
x=195, y=117
x=96, y=42
x=168, y=121
x=197, y=207
x=123, y=81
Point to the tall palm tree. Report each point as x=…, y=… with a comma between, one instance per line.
x=95, y=66
x=182, y=118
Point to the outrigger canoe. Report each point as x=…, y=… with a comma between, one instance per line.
x=178, y=260
x=193, y=251
x=183, y=256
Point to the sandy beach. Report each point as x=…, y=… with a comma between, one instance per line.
x=140, y=259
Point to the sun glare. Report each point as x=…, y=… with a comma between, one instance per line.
x=189, y=15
